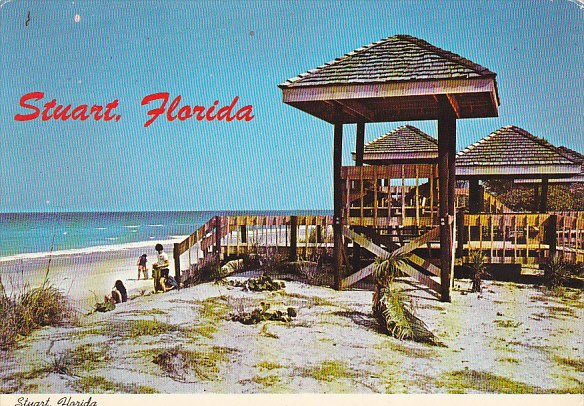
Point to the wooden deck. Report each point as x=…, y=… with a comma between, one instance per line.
x=504, y=238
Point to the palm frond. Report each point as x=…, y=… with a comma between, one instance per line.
x=393, y=315
x=397, y=316
x=386, y=269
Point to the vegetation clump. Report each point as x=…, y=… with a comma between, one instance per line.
x=262, y=283
x=263, y=314
x=181, y=364
x=102, y=307
x=555, y=272
x=478, y=270
x=30, y=309
x=392, y=308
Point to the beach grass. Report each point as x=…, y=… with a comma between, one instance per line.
x=328, y=371
x=30, y=308
x=99, y=384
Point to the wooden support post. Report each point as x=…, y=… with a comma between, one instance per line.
x=446, y=144
x=318, y=234
x=243, y=231
x=360, y=144
x=359, y=148
x=218, y=237
x=551, y=234
x=432, y=193
x=475, y=196
x=544, y=196
x=293, y=238
x=176, y=257
x=535, y=198
x=337, y=198
x=461, y=234
x=417, y=197
x=403, y=196
x=452, y=196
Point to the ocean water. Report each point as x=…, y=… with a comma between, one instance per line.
x=24, y=233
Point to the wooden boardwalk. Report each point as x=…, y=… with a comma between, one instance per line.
x=504, y=238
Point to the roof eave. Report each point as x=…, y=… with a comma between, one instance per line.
x=397, y=156
x=517, y=171
x=348, y=103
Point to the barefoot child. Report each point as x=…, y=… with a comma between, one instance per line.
x=142, y=266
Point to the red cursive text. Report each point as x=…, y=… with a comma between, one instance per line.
x=199, y=112
x=54, y=111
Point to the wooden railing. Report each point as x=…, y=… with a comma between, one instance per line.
x=515, y=238
x=379, y=196
x=224, y=236
x=570, y=235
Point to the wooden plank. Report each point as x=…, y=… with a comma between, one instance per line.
x=430, y=267
x=365, y=243
x=380, y=252
x=492, y=231
x=293, y=238
x=406, y=89
x=389, y=199
x=417, y=197
x=407, y=269
x=418, y=242
x=176, y=257
x=357, y=276
x=362, y=193
x=403, y=195
x=375, y=187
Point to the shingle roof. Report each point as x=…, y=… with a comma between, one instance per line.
x=397, y=58
x=574, y=156
x=404, y=139
x=571, y=154
x=512, y=146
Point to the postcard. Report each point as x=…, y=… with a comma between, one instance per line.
x=208, y=198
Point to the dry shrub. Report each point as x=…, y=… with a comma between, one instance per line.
x=556, y=272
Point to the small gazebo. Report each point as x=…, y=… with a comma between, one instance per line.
x=405, y=144
x=399, y=78
x=513, y=153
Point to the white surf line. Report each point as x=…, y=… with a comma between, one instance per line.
x=89, y=250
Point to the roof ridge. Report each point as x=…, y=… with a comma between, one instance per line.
x=348, y=55
x=478, y=69
x=447, y=54
x=541, y=141
x=414, y=129
x=426, y=136
x=571, y=151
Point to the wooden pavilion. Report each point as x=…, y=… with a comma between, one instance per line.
x=483, y=221
x=404, y=199
x=396, y=79
x=513, y=153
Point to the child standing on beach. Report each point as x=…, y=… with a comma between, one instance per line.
x=142, y=266
x=160, y=268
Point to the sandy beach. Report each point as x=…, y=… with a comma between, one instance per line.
x=83, y=274
x=512, y=338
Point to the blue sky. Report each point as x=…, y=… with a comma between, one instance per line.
x=207, y=51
